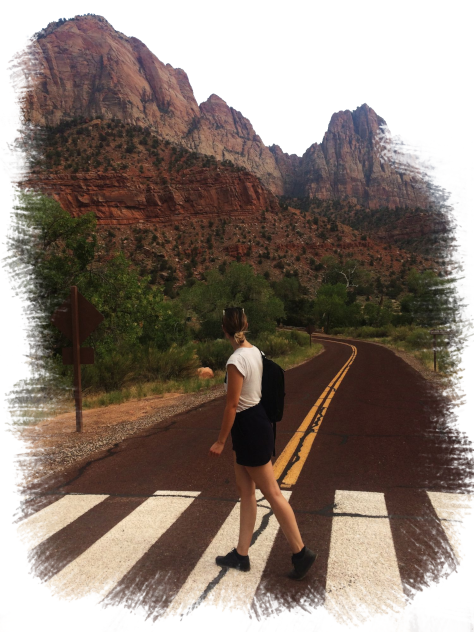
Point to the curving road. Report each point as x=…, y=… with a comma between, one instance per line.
x=368, y=456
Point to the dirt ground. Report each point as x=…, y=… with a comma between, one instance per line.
x=47, y=433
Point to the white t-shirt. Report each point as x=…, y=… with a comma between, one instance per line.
x=248, y=361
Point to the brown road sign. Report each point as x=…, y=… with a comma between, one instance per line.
x=310, y=329
x=87, y=355
x=89, y=318
x=77, y=318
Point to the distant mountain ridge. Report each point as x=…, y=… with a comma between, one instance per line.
x=85, y=68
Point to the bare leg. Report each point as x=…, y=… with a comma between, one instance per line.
x=248, y=507
x=264, y=479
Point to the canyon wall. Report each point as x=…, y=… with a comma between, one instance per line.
x=84, y=67
x=130, y=198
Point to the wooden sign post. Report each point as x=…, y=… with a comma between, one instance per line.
x=77, y=318
x=310, y=329
x=442, y=332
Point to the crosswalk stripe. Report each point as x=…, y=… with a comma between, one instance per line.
x=451, y=509
x=48, y=521
x=363, y=577
x=362, y=566
x=210, y=585
x=97, y=570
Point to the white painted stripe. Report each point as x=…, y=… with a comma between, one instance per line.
x=451, y=509
x=96, y=571
x=363, y=577
x=48, y=521
x=236, y=589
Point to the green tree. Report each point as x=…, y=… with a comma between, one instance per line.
x=135, y=312
x=330, y=275
x=348, y=272
x=330, y=307
x=236, y=286
x=287, y=289
x=394, y=287
x=432, y=300
x=377, y=315
x=353, y=312
x=47, y=251
x=57, y=251
x=298, y=306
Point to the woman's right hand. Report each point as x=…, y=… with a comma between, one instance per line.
x=216, y=449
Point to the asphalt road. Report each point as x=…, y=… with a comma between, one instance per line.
x=375, y=470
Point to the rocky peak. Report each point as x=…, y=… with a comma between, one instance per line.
x=84, y=67
x=353, y=167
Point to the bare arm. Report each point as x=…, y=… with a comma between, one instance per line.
x=235, y=380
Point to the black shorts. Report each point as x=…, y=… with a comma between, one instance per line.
x=252, y=436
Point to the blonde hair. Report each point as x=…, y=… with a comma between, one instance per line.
x=235, y=323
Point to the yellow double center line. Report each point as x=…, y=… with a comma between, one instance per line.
x=289, y=464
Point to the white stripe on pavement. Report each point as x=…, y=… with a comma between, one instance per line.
x=451, y=509
x=235, y=589
x=96, y=571
x=362, y=576
x=48, y=521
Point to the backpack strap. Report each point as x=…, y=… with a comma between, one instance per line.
x=273, y=423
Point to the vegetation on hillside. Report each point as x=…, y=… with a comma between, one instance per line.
x=291, y=242
x=79, y=144
x=151, y=336
x=421, y=232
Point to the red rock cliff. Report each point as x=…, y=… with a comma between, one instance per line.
x=85, y=67
x=128, y=199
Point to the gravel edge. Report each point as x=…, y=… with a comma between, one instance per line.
x=74, y=449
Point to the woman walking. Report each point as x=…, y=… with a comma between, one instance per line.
x=252, y=442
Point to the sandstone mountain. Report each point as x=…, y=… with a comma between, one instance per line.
x=83, y=67
x=154, y=185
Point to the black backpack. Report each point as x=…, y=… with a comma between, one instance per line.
x=273, y=391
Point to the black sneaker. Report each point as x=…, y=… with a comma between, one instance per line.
x=302, y=565
x=234, y=560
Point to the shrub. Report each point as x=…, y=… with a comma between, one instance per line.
x=346, y=331
x=419, y=339
x=273, y=345
x=110, y=371
x=214, y=353
x=400, y=334
x=427, y=358
x=298, y=338
x=443, y=361
x=175, y=362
